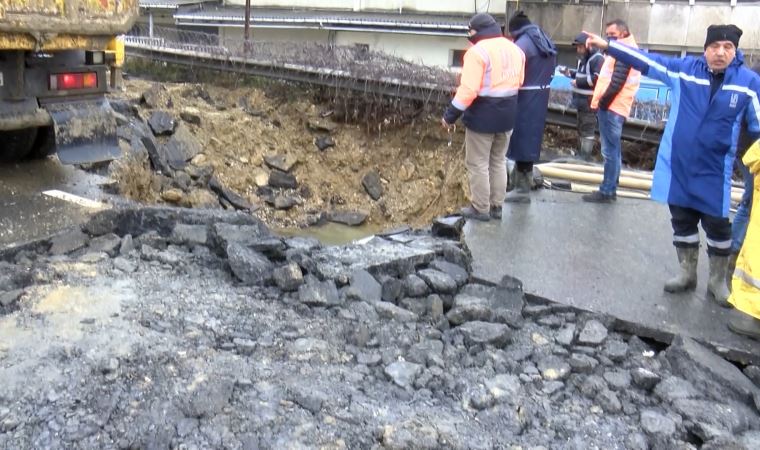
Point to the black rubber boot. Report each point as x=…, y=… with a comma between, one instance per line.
x=521, y=192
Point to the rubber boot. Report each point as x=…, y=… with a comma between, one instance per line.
x=586, y=148
x=746, y=325
x=686, y=280
x=521, y=192
x=716, y=285
x=731, y=267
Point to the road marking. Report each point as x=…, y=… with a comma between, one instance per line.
x=81, y=201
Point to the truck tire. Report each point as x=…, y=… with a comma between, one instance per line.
x=16, y=144
x=44, y=144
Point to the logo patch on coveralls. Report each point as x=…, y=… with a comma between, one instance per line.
x=734, y=101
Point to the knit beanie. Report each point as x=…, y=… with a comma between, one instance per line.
x=519, y=19
x=481, y=20
x=717, y=33
x=580, y=39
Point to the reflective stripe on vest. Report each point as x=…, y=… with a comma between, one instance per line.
x=487, y=89
x=747, y=278
x=583, y=91
x=499, y=72
x=588, y=75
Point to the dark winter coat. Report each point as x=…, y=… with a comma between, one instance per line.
x=533, y=99
x=585, y=78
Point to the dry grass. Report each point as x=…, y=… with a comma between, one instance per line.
x=135, y=178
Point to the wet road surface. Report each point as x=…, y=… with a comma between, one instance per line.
x=26, y=213
x=607, y=258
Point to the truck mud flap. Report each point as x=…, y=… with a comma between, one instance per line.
x=85, y=131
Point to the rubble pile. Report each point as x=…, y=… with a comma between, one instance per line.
x=180, y=328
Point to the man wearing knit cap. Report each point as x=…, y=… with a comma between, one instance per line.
x=584, y=78
x=711, y=95
x=532, y=102
x=487, y=101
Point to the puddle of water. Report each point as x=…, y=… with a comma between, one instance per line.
x=332, y=233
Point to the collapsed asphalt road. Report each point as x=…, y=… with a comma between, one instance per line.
x=166, y=328
x=26, y=213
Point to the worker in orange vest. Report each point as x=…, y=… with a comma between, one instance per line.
x=486, y=98
x=613, y=98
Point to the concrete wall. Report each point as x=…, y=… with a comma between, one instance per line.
x=428, y=50
x=234, y=36
x=161, y=18
x=663, y=25
x=432, y=6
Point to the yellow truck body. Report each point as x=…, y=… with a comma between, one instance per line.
x=54, y=60
x=63, y=24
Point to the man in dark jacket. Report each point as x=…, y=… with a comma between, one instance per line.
x=533, y=101
x=584, y=77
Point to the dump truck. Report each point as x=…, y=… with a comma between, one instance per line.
x=55, y=56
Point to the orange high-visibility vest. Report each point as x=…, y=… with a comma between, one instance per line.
x=623, y=101
x=493, y=67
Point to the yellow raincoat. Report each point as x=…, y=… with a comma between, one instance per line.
x=745, y=284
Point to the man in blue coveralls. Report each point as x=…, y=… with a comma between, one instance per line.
x=711, y=95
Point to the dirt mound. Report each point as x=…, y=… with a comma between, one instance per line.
x=399, y=168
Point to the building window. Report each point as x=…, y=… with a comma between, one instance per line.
x=457, y=58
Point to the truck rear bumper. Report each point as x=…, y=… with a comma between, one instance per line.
x=85, y=130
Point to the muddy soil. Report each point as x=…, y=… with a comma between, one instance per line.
x=421, y=175
x=420, y=167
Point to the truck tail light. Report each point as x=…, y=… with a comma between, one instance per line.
x=68, y=81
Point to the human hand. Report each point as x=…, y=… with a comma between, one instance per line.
x=573, y=83
x=446, y=126
x=594, y=40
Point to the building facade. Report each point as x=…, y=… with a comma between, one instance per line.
x=432, y=32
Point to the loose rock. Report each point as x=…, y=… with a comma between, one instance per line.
x=162, y=123
x=288, y=277
x=403, y=373
x=373, y=185
x=654, y=423
x=250, y=266
x=438, y=281
x=495, y=334
x=350, y=218
x=318, y=293
x=593, y=333
x=280, y=179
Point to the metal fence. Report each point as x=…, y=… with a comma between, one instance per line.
x=323, y=61
x=354, y=67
